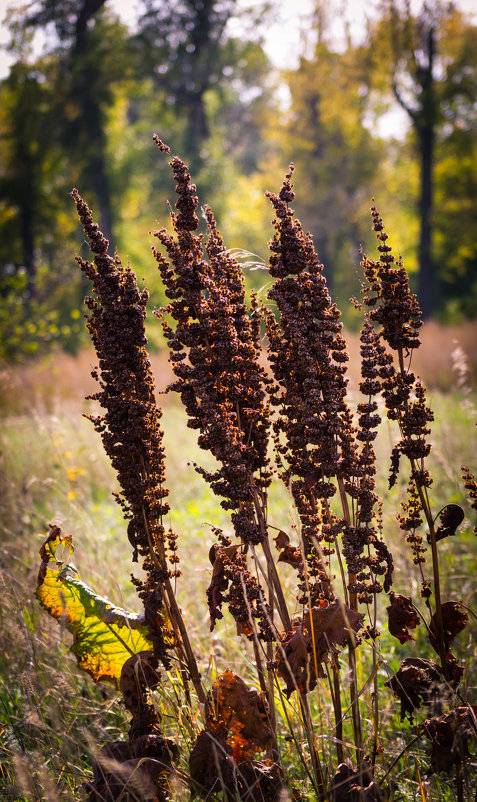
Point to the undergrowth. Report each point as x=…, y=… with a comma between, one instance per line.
x=335, y=660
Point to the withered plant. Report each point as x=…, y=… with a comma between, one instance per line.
x=289, y=420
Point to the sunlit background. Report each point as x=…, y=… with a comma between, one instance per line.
x=368, y=99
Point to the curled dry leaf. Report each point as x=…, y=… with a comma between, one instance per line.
x=209, y=763
x=288, y=553
x=237, y=728
x=415, y=683
x=142, y=778
x=449, y=735
x=402, y=617
x=454, y=620
x=291, y=556
x=140, y=767
x=355, y=785
x=259, y=781
x=138, y=674
x=281, y=540
x=219, y=582
x=244, y=712
x=294, y=663
x=451, y=516
x=302, y=652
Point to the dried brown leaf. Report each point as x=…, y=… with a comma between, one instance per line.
x=244, y=711
x=451, y=516
x=454, y=620
x=137, y=674
x=282, y=540
x=402, y=616
x=219, y=582
x=302, y=652
x=334, y=621
x=355, y=785
x=259, y=781
x=415, y=683
x=294, y=664
x=209, y=763
x=291, y=556
x=449, y=735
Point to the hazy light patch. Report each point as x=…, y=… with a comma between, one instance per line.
x=127, y=11
x=391, y=124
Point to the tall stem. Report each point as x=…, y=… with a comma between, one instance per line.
x=338, y=713
x=432, y=538
x=315, y=758
x=176, y=616
x=273, y=573
x=353, y=603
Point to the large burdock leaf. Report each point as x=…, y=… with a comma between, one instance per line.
x=104, y=636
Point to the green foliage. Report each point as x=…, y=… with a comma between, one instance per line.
x=82, y=115
x=336, y=158
x=427, y=60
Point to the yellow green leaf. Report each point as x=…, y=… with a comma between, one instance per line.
x=104, y=636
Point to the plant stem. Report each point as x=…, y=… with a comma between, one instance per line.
x=273, y=573
x=432, y=536
x=176, y=617
x=336, y=696
x=353, y=603
x=315, y=758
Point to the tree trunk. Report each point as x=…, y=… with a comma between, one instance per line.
x=28, y=250
x=92, y=117
x=197, y=130
x=426, y=267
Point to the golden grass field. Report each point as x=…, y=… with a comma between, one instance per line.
x=53, y=469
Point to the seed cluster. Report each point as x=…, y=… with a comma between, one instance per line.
x=130, y=425
x=470, y=485
x=397, y=315
x=410, y=520
x=215, y=354
x=215, y=357
x=315, y=440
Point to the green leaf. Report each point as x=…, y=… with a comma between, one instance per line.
x=104, y=636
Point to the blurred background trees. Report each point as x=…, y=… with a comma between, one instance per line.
x=85, y=91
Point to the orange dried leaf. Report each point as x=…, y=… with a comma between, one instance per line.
x=245, y=713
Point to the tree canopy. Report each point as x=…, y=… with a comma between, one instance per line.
x=81, y=112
